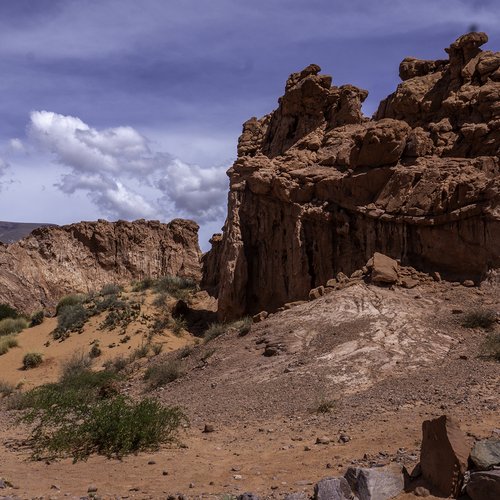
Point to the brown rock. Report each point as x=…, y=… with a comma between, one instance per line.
x=444, y=455
x=38, y=270
x=316, y=293
x=484, y=485
x=318, y=188
x=260, y=316
x=409, y=282
x=384, y=269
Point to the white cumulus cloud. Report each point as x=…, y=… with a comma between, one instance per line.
x=121, y=173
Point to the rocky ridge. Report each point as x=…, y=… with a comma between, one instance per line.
x=53, y=261
x=318, y=188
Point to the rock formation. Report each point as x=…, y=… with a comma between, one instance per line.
x=317, y=188
x=53, y=261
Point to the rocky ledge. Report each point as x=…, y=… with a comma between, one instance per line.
x=53, y=261
x=317, y=188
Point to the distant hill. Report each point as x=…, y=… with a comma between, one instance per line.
x=14, y=231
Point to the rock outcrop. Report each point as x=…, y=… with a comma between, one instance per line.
x=318, y=188
x=53, y=261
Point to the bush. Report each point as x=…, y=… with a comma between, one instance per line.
x=178, y=324
x=117, y=364
x=185, y=352
x=243, y=326
x=111, y=289
x=9, y=326
x=325, y=406
x=32, y=360
x=69, y=300
x=6, y=388
x=157, y=348
x=7, y=343
x=141, y=352
x=95, y=351
x=175, y=286
x=78, y=416
x=37, y=318
x=215, y=330
x=70, y=318
x=491, y=347
x=78, y=363
x=483, y=318
x=162, y=373
x=7, y=311
x=145, y=284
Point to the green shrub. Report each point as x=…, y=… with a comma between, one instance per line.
x=79, y=416
x=215, y=330
x=6, y=388
x=70, y=318
x=185, y=352
x=9, y=326
x=157, y=349
x=69, y=300
x=162, y=373
x=175, y=286
x=491, y=346
x=141, y=352
x=482, y=318
x=7, y=311
x=117, y=364
x=325, y=406
x=111, y=289
x=7, y=343
x=78, y=363
x=177, y=325
x=32, y=360
x=145, y=284
x=37, y=318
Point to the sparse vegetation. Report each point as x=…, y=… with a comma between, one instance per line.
x=325, y=406
x=141, y=352
x=157, y=349
x=177, y=325
x=79, y=416
x=111, y=289
x=70, y=318
x=491, y=346
x=7, y=311
x=78, y=363
x=175, y=286
x=7, y=343
x=95, y=351
x=479, y=318
x=6, y=388
x=215, y=330
x=185, y=352
x=69, y=300
x=37, y=318
x=163, y=373
x=9, y=326
x=145, y=284
x=32, y=360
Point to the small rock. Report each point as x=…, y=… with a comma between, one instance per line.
x=436, y=276
x=271, y=351
x=248, y=496
x=2, y=484
x=335, y=488
x=322, y=440
x=468, y=283
x=376, y=483
x=92, y=488
x=237, y=477
x=344, y=438
x=316, y=293
x=296, y=496
x=260, y=316
x=409, y=282
x=331, y=283
x=208, y=428
x=191, y=485
x=151, y=462
x=55, y=487
x=307, y=448
x=486, y=454
x=420, y=491
x=165, y=473
x=484, y=485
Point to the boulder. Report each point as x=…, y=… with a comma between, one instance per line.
x=484, y=485
x=379, y=483
x=316, y=293
x=485, y=454
x=384, y=269
x=444, y=454
x=335, y=488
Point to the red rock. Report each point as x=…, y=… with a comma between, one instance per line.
x=318, y=188
x=444, y=454
x=384, y=269
x=38, y=270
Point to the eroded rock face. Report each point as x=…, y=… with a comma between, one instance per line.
x=317, y=188
x=36, y=271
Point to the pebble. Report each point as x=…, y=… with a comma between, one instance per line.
x=420, y=491
x=165, y=472
x=322, y=440
x=151, y=462
x=344, y=438
x=92, y=488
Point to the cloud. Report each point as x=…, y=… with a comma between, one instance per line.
x=4, y=166
x=112, y=165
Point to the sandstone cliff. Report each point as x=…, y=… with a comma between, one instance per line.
x=318, y=188
x=53, y=261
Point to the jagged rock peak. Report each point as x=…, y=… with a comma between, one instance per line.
x=318, y=188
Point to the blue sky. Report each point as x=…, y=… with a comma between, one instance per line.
x=129, y=109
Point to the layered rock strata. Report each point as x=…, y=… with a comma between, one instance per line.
x=317, y=188
x=53, y=261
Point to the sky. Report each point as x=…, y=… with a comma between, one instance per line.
x=128, y=109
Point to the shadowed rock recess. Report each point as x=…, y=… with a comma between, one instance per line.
x=53, y=261
x=318, y=188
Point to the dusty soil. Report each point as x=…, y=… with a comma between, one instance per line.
x=384, y=360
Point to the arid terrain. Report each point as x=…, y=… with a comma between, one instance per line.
x=345, y=322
